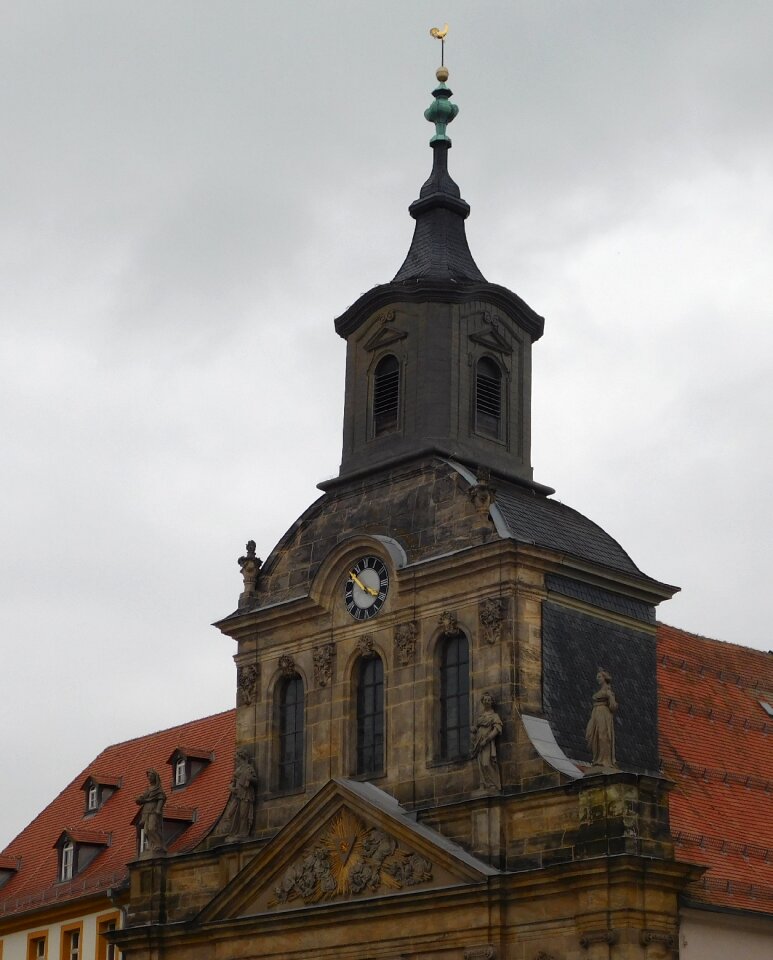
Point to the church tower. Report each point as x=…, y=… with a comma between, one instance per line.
x=446, y=679
x=439, y=360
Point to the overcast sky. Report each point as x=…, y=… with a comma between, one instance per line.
x=192, y=191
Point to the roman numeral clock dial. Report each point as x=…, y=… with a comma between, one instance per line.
x=366, y=588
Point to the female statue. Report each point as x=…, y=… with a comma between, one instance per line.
x=151, y=817
x=488, y=726
x=600, y=732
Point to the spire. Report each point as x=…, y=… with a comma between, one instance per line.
x=439, y=248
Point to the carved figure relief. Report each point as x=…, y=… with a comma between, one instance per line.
x=492, y=616
x=448, y=623
x=365, y=645
x=600, y=732
x=482, y=494
x=487, y=729
x=250, y=566
x=350, y=858
x=151, y=818
x=323, y=663
x=405, y=641
x=247, y=683
x=239, y=813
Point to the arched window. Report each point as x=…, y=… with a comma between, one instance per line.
x=454, y=697
x=291, y=703
x=386, y=395
x=370, y=715
x=68, y=861
x=488, y=397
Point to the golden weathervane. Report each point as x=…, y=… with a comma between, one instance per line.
x=440, y=35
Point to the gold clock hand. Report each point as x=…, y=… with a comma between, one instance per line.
x=361, y=585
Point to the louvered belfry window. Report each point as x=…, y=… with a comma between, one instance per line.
x=370, y=715
x=291, y=707
x=454, y=697
x=386, y=395
x=488, y=398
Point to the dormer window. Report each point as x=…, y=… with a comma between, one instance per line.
x=77, y=848
x=386, y=395
x=98, y=789
x=9, y=867
x=180, y=772
x=187, y=763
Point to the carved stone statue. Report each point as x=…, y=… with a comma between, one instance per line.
x=236, y=823
x=250, y=566
x=152, y=815
x=488, y=726
x=600, y=732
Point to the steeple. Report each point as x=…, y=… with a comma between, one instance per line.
x=439, y=250
x=439, y=360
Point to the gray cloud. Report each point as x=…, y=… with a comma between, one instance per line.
x=192, y=191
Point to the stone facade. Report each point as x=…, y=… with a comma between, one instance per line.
x=554, y=845
x=435, y=551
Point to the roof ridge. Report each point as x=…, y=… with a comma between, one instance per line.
x=155, y=733
x=724, y=643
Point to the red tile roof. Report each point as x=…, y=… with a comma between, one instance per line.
x=716, y=741
x=35, y=884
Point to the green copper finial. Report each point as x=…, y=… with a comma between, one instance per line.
x=442, y=111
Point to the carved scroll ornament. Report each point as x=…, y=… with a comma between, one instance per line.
x=350, y=858
x=286, y=665
x=598, y=936
x=365, y=645
x=405, y=642
x=448, y=623
x=480, y=953
x=492, y=616
x=247, y=681
x=323, y=663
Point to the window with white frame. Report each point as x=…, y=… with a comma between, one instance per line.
x=180, y=771
x=72, y=945
x=93, y=799
x=37, y=948
x=68, y=860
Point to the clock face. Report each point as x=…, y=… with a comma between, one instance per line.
x=366, y=588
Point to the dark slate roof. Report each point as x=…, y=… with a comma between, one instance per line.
x=439, y=250
x=548, y=523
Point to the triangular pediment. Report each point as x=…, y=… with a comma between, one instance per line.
x=384, y=336
x=492, y=339
x=351, y=841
